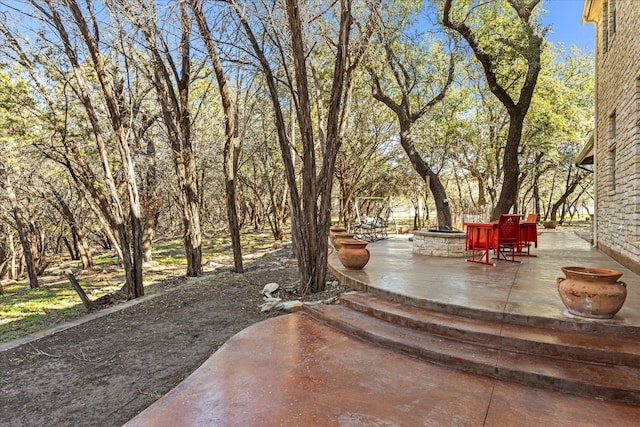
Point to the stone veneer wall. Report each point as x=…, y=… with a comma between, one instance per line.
x=439, y=244
x=618, y=135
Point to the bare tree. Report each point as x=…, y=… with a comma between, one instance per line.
x=126, y=220
x=21, y=225
x=172, y=78
x=231, y=142
x=311, y=203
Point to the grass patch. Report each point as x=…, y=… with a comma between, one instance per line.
x=104, y=259
x=24, y=310
x=171, y=260
x=174, y=245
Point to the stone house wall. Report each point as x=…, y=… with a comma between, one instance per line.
x=617, y=143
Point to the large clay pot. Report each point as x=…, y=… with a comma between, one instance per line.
x=592, y=292
x=353, y=254
x=338, y=238
x=335, y=232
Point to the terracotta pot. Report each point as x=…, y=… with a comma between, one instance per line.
x=592, y=292
x=353, y=254
x=334, y=233
x=339, y=238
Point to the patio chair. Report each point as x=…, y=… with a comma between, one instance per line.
x=365, y=229
x=371, y=229
x=532, y=218
x=528, y=235
x=508, y=237
x=373, y=223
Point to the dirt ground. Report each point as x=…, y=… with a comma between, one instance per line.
x=105, y=371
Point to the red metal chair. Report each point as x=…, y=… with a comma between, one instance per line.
x=480, y=241
x=508, y=237
x=528, y=235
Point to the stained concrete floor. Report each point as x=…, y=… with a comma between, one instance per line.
x=526, y=289
x=293, y=371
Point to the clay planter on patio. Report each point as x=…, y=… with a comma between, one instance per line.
x=338, y=238
x=334, y=232
x=336, y=229
x=592, y=292
x=353, y=254
x=337, y=234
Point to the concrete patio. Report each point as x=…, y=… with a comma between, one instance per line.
x=524, y=290
x=303, y=369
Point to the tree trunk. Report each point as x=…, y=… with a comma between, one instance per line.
x=72, y=249
x=571, y=185
x=517, y=111
x=81, y=248
x=133, y=283
x=433, y=181
x=21, y=226
x=509, y=192
x=536, y=196
x=13, y=269
x=76, y=286
x=148, y=234
x=231, y=152
x=482, y=195
x=151, y=206
x=192, y=237
x=136, y=231
x=5, y=258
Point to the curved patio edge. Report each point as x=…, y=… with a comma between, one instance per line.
x=524, y=294
x=296, y=370
x=292, y=370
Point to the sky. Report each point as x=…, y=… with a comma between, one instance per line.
x=564, y=17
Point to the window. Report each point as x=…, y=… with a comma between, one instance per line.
x=638, y=101
x=609, y=23
x=612, y=129
x=612, y=17
x=605, y=27
x=612, y=149
x=612, y=168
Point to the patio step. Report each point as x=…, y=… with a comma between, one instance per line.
x=584, y=346
x=577, y=363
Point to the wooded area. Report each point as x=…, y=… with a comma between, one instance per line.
x=123, y=121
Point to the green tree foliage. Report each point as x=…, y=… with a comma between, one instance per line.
x=310, y=136
x=506, y=39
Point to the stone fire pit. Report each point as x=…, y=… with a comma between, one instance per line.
x=443, y=243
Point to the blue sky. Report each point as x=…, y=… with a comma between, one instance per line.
x=564, y=17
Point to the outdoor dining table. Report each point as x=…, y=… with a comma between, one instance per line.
x=482, y=238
